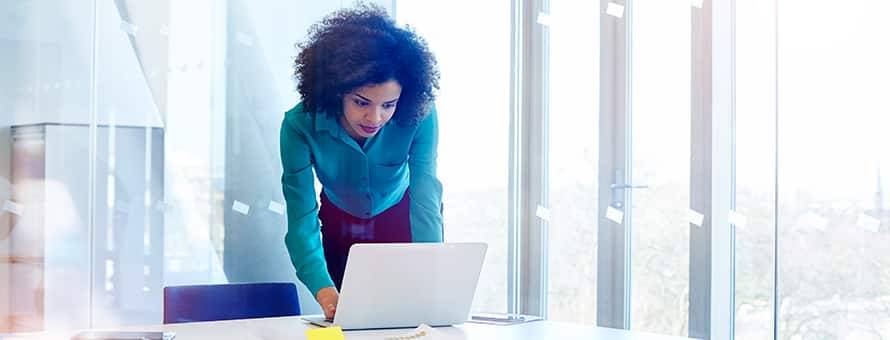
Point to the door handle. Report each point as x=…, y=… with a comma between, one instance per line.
x=618, y=196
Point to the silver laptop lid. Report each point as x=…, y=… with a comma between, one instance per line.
x=393, y=285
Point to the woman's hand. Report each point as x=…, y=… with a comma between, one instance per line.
x=327, y=298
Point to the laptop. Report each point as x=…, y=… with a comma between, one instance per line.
x=403, y=285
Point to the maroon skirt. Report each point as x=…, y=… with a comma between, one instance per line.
x=340, y=230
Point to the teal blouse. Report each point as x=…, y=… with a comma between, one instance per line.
x=363, y=181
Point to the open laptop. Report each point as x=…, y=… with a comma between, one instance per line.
x=402, y=285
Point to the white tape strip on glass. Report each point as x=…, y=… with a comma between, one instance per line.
x=240, y=207
x=615, y=10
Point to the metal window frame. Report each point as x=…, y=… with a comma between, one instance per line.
x=516, y=160
x=537, y=230
x=613, y=250
x=701, y=175
x=712, y=182
x=528, y=237
x=92, y=154
x=722, y=264
x=776, y=275
x=712, y=169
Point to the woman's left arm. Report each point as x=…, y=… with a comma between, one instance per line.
x=425, y=188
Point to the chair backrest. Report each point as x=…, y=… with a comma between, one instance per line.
x=230, y=301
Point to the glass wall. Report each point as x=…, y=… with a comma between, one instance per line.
x=833, y=158
x=660, y=123
x=755, y=168
x=46, y=96
x=573, y=155
x=139, y=150
x=474, y=107
x=828, y=204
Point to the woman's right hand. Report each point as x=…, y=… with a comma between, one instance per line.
x=327, y=298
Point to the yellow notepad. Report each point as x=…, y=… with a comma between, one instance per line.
x=330, y=333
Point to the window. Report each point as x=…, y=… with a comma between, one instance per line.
x=172, y=175
x=474, y=106
x=833, y=217
x=144, y=153
x=573, y=121
x=755, y=167
x=660, y=151
x=44, y=187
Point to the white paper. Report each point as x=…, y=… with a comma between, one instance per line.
x=421, y=332
x=244, y=39
x=615, y=215
x=615, y=10
x=695, y=217
x=129, y=28
x=13, y=208
x=868, y=223
x=543, y=213
x=240, y=207
x=698, y=3
x=737, y=219
x=544, y=19
x=165, y=30
x=276, y=207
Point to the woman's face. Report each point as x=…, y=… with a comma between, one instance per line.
x=368, y=108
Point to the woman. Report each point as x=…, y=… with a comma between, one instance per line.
x=367, y=127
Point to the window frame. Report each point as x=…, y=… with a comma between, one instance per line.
x=711, y=303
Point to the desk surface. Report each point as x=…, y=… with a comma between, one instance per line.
x=294, y=328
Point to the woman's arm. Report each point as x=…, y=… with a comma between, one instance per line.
x=303, y=239
x=426, y=190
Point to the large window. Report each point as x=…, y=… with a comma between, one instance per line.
x=139, y=150
x=474, y=106
x=755, y=183
x=573, y=155
x=826, y=196
x=833, y=160
x=660, y=153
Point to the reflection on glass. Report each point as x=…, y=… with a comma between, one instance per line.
x=44, y=93
x=189, y=100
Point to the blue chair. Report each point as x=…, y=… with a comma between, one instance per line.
x=230, y=301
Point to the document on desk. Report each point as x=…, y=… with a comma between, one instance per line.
x=502, y=319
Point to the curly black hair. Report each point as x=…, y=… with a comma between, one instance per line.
x=355, y=47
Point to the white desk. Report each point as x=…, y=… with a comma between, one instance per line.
x=292, y=328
